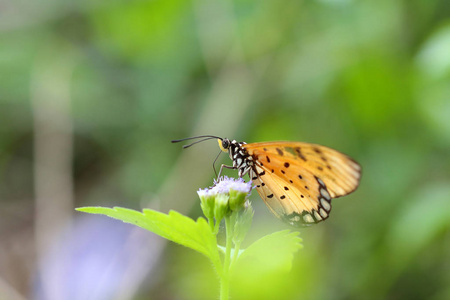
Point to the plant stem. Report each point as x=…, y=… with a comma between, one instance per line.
x=237, y=246
x=211, y=224
x=225, y=280
x=216, y=227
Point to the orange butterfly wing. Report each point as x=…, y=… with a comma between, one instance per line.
x=298, y=180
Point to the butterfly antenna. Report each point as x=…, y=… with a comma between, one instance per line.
x=205, y=138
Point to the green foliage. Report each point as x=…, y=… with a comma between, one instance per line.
x=173, y=226
x=428, y=215
x=270, y=253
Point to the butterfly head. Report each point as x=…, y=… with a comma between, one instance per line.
x=224, y=144
x=233, y=148
x=242, y=161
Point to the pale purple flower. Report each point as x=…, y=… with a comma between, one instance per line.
x=225, y=184
x=227, y=194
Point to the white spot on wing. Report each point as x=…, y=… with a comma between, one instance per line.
x=325, y=204
x=308, y=218
x=295, y=218
x=325, y=193
x=317, y=216
x=320, y=182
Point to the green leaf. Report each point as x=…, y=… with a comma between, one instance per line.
x=173, y=226
x=272, y=252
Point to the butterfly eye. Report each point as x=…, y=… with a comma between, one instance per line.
x=224, y=144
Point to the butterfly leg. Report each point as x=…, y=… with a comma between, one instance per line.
x=221, y=168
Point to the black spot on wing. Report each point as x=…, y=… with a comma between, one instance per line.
x=299, y=153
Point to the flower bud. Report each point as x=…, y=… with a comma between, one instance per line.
x=227, y=195
x=207, y=202
x=221, y=207
x=237, y=199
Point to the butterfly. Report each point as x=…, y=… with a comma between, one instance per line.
x=296, y=180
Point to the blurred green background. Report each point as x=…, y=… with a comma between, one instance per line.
x=92, y=92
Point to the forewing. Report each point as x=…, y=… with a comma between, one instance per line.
x=298, y=180
x=339, y=173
